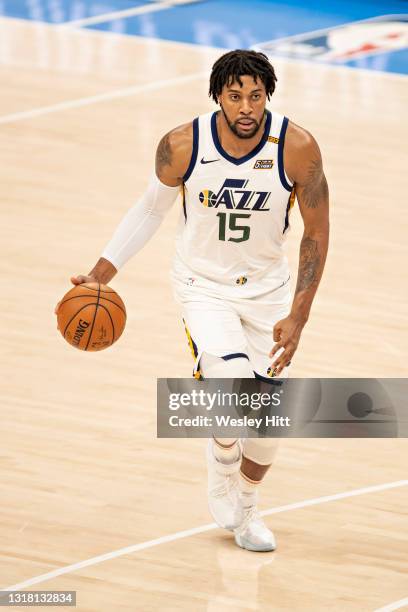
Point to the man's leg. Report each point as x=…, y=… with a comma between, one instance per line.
x=257, y=457
x=224, y=454
x=226, y=450
x=233, y=477
x=258, y=317
x=215, y=332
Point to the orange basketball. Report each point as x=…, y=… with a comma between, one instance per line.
x=91, y=316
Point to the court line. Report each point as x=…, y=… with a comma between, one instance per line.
x=110, y=95
x=152, y=7
x=179, y=535
x=396, y=605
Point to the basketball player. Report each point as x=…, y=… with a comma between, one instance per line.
x=238, y=170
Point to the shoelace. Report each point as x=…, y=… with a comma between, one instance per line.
x=222, y=489
x=251, y=513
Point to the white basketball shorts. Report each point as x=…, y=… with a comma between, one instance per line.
x=228, y=326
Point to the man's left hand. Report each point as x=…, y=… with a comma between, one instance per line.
x=286, y=334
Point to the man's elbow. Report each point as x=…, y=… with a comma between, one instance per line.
x=318, y=231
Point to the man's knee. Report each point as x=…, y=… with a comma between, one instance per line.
x=260, y=450
x=234, y=365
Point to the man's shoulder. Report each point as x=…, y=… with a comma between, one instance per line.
x=181, y=137
x=174, y=153
x=298, y=138
x=301, y=149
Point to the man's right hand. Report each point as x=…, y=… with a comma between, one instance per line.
x=77, y=280
x=103, y=273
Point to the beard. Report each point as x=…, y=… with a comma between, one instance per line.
x=235, y=129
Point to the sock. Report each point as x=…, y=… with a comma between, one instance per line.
x=248, y=489
x=226, y=450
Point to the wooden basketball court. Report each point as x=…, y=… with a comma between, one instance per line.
x=83, y=474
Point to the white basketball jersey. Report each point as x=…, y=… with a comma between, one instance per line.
x=235, y=212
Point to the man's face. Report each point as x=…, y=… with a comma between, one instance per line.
x=243, y=107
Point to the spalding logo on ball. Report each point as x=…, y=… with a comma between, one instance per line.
x=91, y=316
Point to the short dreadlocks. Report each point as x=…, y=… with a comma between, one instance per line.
x=234, y=64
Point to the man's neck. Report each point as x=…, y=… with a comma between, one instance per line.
x=232, y=144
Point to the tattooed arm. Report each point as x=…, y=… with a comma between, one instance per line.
x=313, y=197
x=303, y=164
x=173, y=155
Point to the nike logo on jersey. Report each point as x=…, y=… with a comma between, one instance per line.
x=208, y=161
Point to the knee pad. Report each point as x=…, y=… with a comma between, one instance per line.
x=260, y=450
x=230, y=366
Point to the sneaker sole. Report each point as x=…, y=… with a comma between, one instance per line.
x=243, y=543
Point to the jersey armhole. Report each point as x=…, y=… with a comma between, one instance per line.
x=282, y=174
x=194, y=153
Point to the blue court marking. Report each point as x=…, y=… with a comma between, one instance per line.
x=395, y=61
x=242, y=24
x=59, y=11
x=239, y=23
x=224, y=23
x=379, y=43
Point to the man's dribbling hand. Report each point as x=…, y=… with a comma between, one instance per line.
x=286, y=334
x=77, y=280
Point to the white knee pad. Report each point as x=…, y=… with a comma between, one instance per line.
x=260, y=450
x=229, y=366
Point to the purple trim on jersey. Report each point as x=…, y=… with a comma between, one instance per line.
x=287, y=213
x=270, y=381
x=282, y=176
x=240, y=160
x=184, y=204
x=194, y=152
x=234, y=356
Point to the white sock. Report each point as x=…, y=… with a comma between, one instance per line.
x=226, y=450
x=248, y=489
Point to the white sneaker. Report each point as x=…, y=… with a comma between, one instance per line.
x=223, y=493
x=253, y=534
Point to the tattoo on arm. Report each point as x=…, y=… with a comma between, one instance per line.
x=163, y=154
x=315, y=188
x=309, y=262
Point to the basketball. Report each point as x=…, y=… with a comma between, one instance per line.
x=91, y=316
